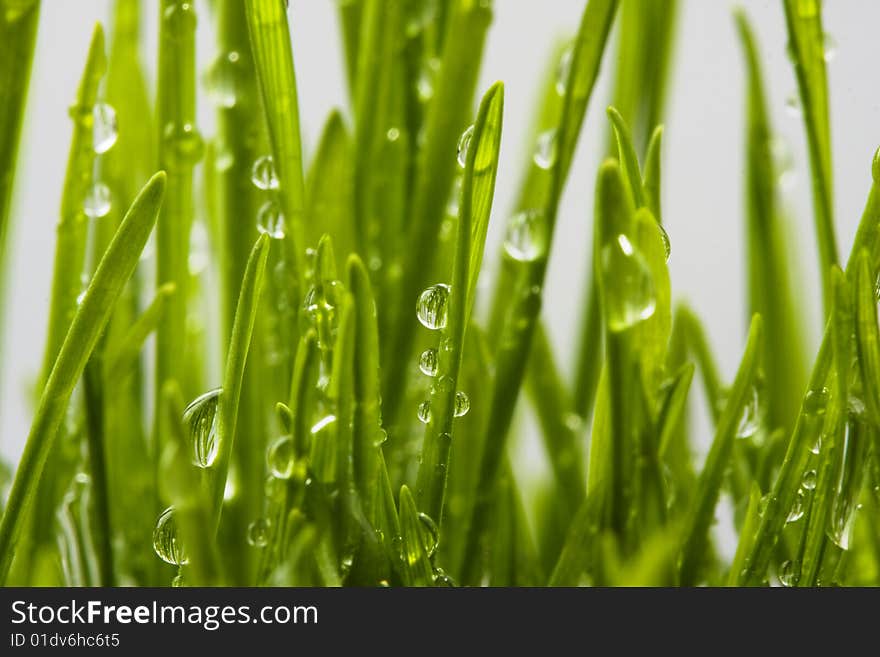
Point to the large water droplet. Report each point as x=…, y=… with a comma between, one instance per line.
x=98, y=201
x=809, y=480
x=424, y=412
x=222, y=80
x=280, y=457
x=428, y=362
x=631, y=296
x=787, y=574
x=263, y=173
x=462, y=404
x=545, y=150
x=166, y=539
x=258, y=532
x=563, y=69
x=433, y=306
x=464, y=143
x=524, y=239
x=816, y=401
x=750, y=420
x=270, y=220
x=200, y=418
x=797, y=509
x=105, y=130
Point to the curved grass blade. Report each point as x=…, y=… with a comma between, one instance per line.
x=304, y=375
x=477, y=191
x=651, y=174
x=417, y=565
x=629, y=160
x=695, y=535
x=328, y=187
x=91, y=316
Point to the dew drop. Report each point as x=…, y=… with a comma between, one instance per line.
x=462, y=404
x=166, y=539
x=98, y=201
x=817, y=446
x=816, y=401
x=809, y=480
x=105, y=129
x=793, y=105
x=433, y=307
x=182, y=144
x=664, y=237
x=797, y=509
x=420, y=17
x=280, y=456
x=263, y=174
x=787, y=574
x=179, y=21
x=432, y=534
x=829, y=47
x=258, y=532
x=424, y=412
x=200, y=418
x=393, y=134
x=464, y=143
x=428, y=362
x=524, y=239
x=270, y=220
x=750, y=420
x=442, y=579
x=563, y=69
x=427, y=79
x=222, y=80
x=545, y=150
x=631, y=298
x=177, y=582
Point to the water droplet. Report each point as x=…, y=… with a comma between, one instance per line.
x=393, y=134
x=323, y=424
x=563, y=69
x=200, y=418
x=787, y=574
x=829, y=47
x=442, y=384
x=432, y=534
x=464, y=143
x=428, y=362
x=797, y=509
x=177, y=582
x=664, y=237
x=841, y=523
x=524, y=240
x=420, y=17
x=222, y=80
x=98, y=201
x=258, y=532
x=427, y=79
x=433, y=307
x=545, y=150
x=105, y=130
x=166, y=539
x=817, y=446
x=631, y=298
x=875, y=167
x=750, y=420
x=442, y=579
x=424, y=412
x=816, y=401
x=280, y=457
x=273, y=487
x=270, y=220
x=809, y=480
x=793, y=105
x=462, y=404
x=180, y=21
x=263, y=173
x=182, y=144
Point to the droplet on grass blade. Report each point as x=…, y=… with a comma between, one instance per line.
x=750, y=420
x=222, y=80
x=258, y=532
x=270, y=220
x=98, y=201
x=524, y=239
x=787, y=574
x=829, y=47
x=464, y=142
x=182, y=144
x=816, y=401
x=545, y=150
x=797, y=509
x=428, y=362
x=279, y=457
x=462, y=404
x=631, y=297
x=166, y=539
x=424, y=412
x=200, y=418
x=809, y=480
x=180, y=21
x=263, y=174
x=563, y=69
x=105, y=129
x=432, y=533
x=433, y=307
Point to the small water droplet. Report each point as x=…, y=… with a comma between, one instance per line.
x=816, y=401
x=462, y=404
x=787, y=574
x=279, y=457
x=442, y=579
x=179, y=21
x=432, y=534
x=545, y=150
x=664, y=237
x=427, y=79
x=524, y=239
x=420, y=17
x=393, y=134
x=424, y=412
x=809, y=480
x=177, y=582
x=182, y=144
x=222, y=80
x=464, y=143
x=817, y=446
x=829, y=47
x=273, y=487
x=105, y=129
x=428, y=362
x=166, y=539
x=442, y=384
x=200, y=418
x=563, y=69
x=797, y=509
x=258, y=532
x=433, y=307
x=750, y=420
x=793, y=105
x=270, y=220
x=632, y=297
x=263, y=174
x=98, y=201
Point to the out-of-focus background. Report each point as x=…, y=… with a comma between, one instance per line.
x=703, y=156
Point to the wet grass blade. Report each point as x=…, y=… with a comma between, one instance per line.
x=91, y=316
x=328, y=187
x=417, y=566
x=867, y=335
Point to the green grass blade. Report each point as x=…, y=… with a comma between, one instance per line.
x=806, y=43
x=867, y=335
x=626, y=155
x=91, y=316
x=350, y=18
x=747, y=534
x=328, y=187
x=651, y=175
x=417, y=565
x=695, y=536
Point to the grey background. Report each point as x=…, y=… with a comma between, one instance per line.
x=703, y=158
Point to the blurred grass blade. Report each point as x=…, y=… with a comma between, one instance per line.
x=417, y=565
x=695, y=535
x=350, y=18
x=651, y=175
x=328, y=187
x=747, y=534
x=91, y=316
x=121, y=361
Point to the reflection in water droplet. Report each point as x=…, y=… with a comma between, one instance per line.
x=809, y=480
x=258, y=532
x=270, y=220
x=631, y=295
x=166, y=539
x=263, y=174
x=280, y=457
x=428, y=362
x=104, y=128
x=433, y=306
x=787, y=574
x=750, y=420
x=464, y=143
x=545, y=150
x=98, y=201
x=462, y=404
x=424, y=412
x=200, y=418
x=524, y=240
x=797, y=509
x=563, y=70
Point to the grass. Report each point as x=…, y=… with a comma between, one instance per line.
x=351, y=418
